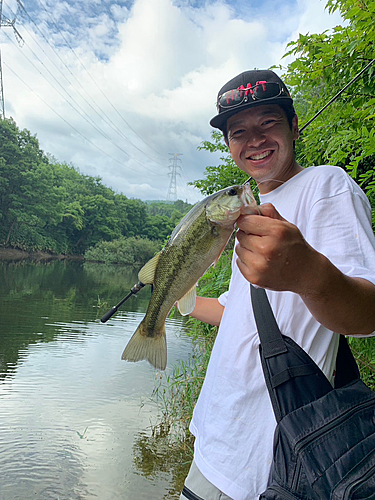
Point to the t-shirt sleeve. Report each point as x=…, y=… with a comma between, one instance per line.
x=223, y=298
x=340, y=227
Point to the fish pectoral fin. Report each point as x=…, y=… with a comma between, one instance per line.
x=187, y=303
x=147, y=274
x=153, y=349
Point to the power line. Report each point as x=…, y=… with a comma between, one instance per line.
x=66, y=95
x=86, y=118
x=5, y=22
x=185, y=186
x=62, y=118
x=95, y=83
x=108, y=121
x=83, y=114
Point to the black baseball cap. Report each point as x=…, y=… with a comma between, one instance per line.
x=248, y=89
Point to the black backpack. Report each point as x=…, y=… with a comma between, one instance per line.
x=324, y=443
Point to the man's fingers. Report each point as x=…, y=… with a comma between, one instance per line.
x=259, y=224
x=246, y=239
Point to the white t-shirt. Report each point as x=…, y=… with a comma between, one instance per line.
x=233, y=421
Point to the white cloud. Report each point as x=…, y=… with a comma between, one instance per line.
x=145, y=75
x=315, y=18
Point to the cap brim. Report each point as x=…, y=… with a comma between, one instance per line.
x=219, y=120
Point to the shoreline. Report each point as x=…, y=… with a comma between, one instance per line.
x=15, y=254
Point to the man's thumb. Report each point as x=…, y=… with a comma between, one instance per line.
x=268, y=210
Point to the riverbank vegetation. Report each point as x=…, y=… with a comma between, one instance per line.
x=132, y=251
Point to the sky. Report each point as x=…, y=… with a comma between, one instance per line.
x=124, y=89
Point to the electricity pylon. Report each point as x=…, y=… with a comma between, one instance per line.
x=172, y=191
x=6, y=23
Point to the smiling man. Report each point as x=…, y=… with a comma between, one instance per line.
x=312, y=248
x=268, y=156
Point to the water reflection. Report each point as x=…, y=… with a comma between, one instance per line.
x=75, y=419
x=157, y=453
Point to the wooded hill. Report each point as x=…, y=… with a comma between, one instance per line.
x=50, y=206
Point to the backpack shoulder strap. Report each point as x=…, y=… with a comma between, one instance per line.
x=346, y=366
x=272, y=340
x=270, y=336
x=293, y=379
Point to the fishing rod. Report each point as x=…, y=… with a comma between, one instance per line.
x=135, y=289
x=337, y=95
x=138, y=286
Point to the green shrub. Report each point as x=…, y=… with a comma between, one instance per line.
x=133, y=251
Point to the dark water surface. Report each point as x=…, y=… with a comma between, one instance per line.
x=74, y=417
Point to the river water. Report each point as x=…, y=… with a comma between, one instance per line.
x=76, y=420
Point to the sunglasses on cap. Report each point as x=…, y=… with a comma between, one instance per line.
x=260, y=91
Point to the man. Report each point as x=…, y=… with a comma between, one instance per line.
x=312, y=248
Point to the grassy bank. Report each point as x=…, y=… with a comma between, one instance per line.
x=178, y=392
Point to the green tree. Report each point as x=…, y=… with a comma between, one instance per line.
x=28, y=198
x=136, y=211
x=132, y=251
x=343, y=134
x=176, y=209
x=324, y=63
x=43, y=202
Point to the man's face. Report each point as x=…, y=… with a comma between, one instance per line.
x=261, y=144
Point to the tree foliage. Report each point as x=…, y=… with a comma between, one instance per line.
x=132, y=251
x=49, y=206
x=324, y=64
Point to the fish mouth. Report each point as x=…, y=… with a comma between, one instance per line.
x=259, y=156
x=249, y=204
x=241, y=200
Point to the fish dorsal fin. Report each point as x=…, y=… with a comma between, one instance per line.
x=147, y=274
x=187, y=303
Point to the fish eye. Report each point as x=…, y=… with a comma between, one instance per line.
x=232, y=191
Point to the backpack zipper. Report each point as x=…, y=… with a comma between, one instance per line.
x=286, y=494
x=351, y=487
x=306, y=440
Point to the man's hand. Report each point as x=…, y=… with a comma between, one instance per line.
x=272, y=252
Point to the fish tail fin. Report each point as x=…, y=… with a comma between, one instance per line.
x=153, y=349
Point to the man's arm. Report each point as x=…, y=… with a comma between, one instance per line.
x=208, y=310
x=273, y=254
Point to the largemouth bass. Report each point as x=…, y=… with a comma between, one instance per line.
x=195, y=244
